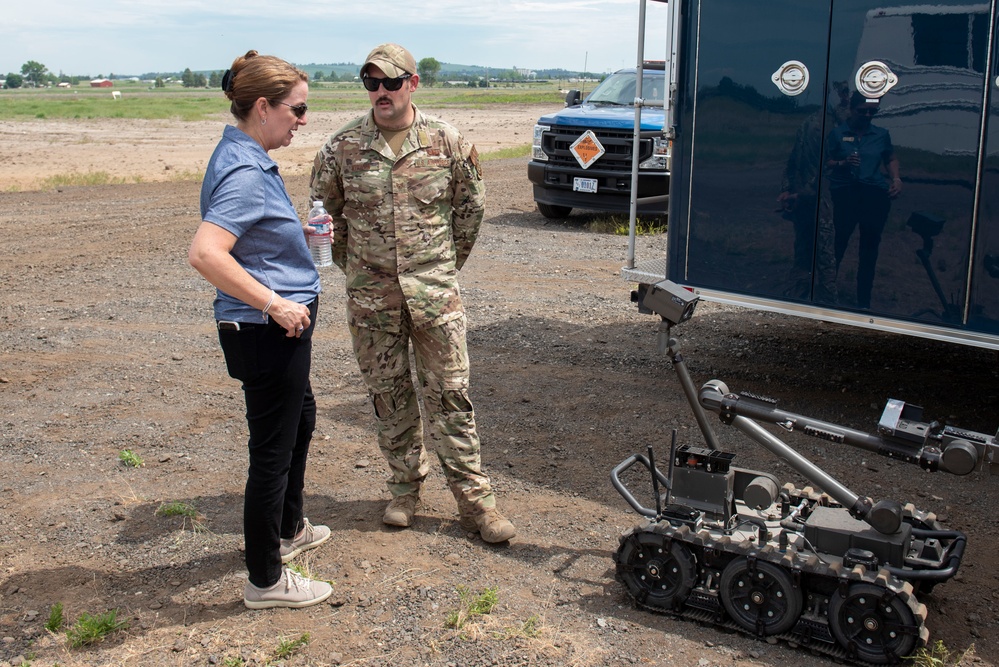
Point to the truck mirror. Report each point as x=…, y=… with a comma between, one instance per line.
x=572, y=98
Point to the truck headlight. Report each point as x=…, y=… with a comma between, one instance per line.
x=538, y=153
x=660, y=155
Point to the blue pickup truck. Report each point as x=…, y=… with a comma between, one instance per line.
x=582, y=155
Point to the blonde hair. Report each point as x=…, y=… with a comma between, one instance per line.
x=254, y=76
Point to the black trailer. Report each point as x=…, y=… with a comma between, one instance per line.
x=770, y=208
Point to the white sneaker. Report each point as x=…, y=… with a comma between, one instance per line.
x=291, y=590
x=310, y=538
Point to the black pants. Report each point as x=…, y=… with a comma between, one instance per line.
x=281, y=415
x=866, y=207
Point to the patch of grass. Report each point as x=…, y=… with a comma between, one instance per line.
x=618, y=225
x=287, y=647
x=233, y=662
x=189, y=512
x=649, y=227
x=135, y=103
x=177, y=508
x=56, y=620
x=938, y=655
x=80, y=178
x=302, y=567
x=140, y=101
x=130, y=458
x=102, y=178
x=531, y=627
x=185, y=176
x=503, y=153
x=90, y=629
x=471, y=605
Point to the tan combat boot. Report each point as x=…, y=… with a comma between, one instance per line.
x=492, y=526
x=400, y=510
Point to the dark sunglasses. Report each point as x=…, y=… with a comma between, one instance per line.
x=371, y=83
x=298, y=109
x=866, y=112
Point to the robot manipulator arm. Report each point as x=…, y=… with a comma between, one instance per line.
x=901, y=434
x=957, y=450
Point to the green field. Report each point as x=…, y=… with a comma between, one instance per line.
x=141, y=101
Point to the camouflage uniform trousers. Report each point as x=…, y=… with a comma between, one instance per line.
x=441, y=356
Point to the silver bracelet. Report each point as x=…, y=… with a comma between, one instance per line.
x=269, y=302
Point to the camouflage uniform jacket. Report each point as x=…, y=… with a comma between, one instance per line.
x=402, y=225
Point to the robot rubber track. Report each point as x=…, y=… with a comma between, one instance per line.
x=788, y=595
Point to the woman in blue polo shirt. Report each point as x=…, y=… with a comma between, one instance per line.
x=251, y=247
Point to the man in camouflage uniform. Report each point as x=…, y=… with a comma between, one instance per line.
x=406, y=194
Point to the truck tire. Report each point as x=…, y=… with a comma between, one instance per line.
x=554, y=212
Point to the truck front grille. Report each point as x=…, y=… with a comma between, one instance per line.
x=617, y=143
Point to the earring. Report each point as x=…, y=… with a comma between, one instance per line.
x=263, y=121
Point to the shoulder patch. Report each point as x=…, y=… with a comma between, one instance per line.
x=473, y=157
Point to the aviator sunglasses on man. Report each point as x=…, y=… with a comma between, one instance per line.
x=371, y=83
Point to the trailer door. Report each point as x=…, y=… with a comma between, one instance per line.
x=984, y=301
x=757, y=78
x=756, y=207
x=906, y=255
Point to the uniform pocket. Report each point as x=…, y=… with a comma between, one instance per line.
x=428, y=187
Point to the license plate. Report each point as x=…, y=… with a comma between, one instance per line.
x=584, y=184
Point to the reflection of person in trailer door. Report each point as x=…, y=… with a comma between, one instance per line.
x=858, y=154
x=799, y=203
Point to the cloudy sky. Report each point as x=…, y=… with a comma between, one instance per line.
x=102, y=37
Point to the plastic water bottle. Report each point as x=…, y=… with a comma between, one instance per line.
x=855, y=168
x=320, y=235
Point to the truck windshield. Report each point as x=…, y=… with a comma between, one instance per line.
x=619, y=88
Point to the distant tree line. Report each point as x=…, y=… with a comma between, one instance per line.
x=36, y=75
x=191, y=80
x=432, y=72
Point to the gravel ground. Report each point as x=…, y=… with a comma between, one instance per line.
x=107, y=344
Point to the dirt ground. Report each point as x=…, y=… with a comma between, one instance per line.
x=156, y=150
x=107, y=344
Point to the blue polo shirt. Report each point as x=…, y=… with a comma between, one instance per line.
x=244, y=194
x=874, y=147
